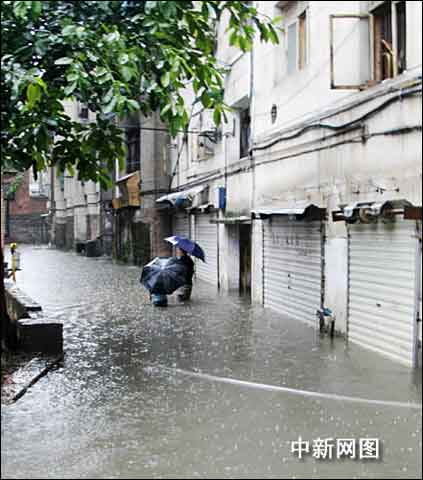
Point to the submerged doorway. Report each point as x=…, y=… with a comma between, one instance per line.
x=245, y=259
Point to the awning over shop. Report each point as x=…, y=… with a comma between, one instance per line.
x=232, y=220
x=366, y=212
x=129, y=187
x=204, y=208
x=299, y=210
x=183, y=198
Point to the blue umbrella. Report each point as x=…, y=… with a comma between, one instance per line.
x=188, y=245
x=164, y=275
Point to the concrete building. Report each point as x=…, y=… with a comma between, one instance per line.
x=140, y=224
x=78, y=210
x=124, y=222
x=310, y=195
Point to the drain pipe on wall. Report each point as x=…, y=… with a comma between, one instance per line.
x=252, y=118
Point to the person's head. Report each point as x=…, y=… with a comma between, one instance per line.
x=180, y=252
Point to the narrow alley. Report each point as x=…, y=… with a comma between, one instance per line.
x=146, y=392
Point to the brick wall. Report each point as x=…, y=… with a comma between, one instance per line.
x=23, y=203
x=25, y=222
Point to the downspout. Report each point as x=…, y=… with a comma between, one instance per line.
x=252, y=118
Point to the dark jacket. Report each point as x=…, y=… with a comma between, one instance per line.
x=187, y=261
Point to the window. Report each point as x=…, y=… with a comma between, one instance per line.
x=380, y=36
x=204, y=142
x=383, y=51
x=302, y=40
x=297, y=43
x=83, y=112
x=62, y=182
x=244, y=134
x=40, y=187
x=133, y=139
x=292, y=48
x=401, y=37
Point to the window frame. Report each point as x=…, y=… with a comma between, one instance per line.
x=302, y=49
x=132, y=137
x=244, y=129
x=375, y=76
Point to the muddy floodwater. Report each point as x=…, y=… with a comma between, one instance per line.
x=216, y=388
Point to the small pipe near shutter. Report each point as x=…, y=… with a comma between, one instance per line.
x=292, y=267
x=382, y=297
x=206, y=235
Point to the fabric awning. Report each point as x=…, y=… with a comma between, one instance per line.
x=300, y=210
x=205, y=207
x=365, y=211
x=232, y=220
x=178, y=198
x=126, y=177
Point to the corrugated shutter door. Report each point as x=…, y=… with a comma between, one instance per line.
x=181, y=225
x=382, y=288
x=206, y=237
x=292, y=275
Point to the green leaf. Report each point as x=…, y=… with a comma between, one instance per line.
x=112, y=37
x=71, y=170
x=68, y=30
x=217, y=116
x=20, y=9
x=149, y=6
x=41, y=83
x=110, y=106
x=123, y=58
x=92, y=57
x=72, y=77
x=33, y=94
x=63, y=61
x=133, y=104
x=127, y=73
x=166, y=108
x=99, y=72
x=37, y=8
x=108, y=96
x=70, y=89
x=205, y=99
x=233, y=38
x=165, y=79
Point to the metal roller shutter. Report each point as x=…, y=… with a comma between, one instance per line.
x=383, y=288
x=181, y=223
x=206, y=236
x=292, y=267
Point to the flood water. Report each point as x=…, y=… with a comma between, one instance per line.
x=144, y=392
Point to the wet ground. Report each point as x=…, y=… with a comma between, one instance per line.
x=144, y=391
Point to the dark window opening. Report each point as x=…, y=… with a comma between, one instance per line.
x=244, y=138
x=383, y=48
x=133, y=149
x=401, y=37
x=83, y=112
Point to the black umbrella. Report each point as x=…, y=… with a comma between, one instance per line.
x=164, y=275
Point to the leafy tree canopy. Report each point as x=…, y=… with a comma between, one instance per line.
x=117, y=57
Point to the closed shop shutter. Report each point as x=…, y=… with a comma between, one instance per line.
x=206, y=236
x=383, y=288
x=292, y=267
x=181, y=223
